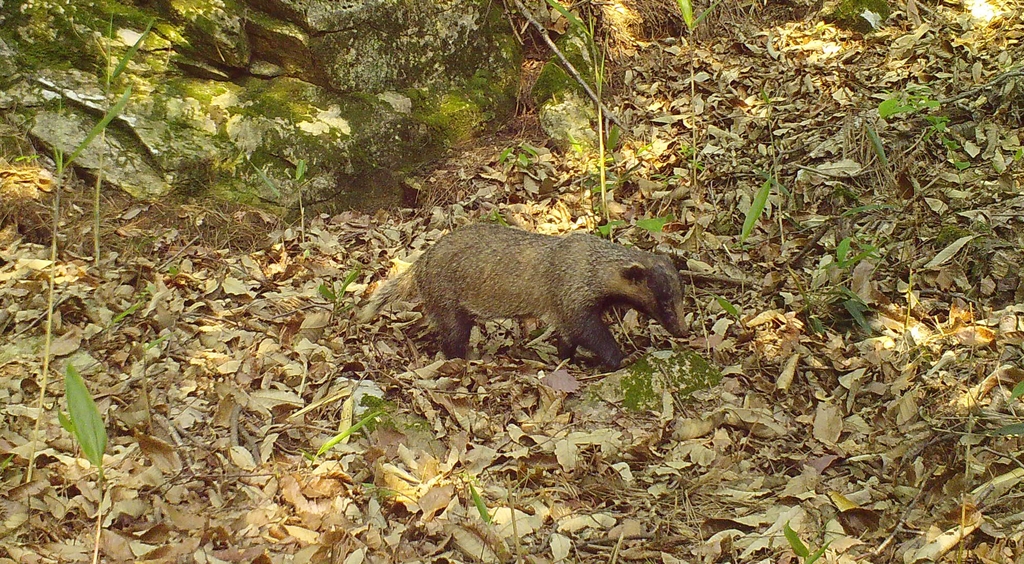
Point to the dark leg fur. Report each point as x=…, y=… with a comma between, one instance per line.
x=453, y=328
x=591, y=333
x=566, y=348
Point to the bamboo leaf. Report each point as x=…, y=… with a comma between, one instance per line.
x=794, y=542
x=99, y=127
x=85, y=418
x=756, y=209
x=575, y=21
x=123, y=63
x=481, y=507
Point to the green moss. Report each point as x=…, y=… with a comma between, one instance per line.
x=553, y=79
x=950, y=233
x=124, y=15
x=847, y=14
x=59, y=35
x=638, y=387
x=204, y=91
x=680, y=373
x=47, y=39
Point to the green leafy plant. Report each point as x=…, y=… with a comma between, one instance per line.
x=334, y=294
x=63, y=163
x=686, y=9
x=520, y=157
x=728, y=306
x=597, y=64
x=109, y=76
x=906, y=104
x=847, y=257
x=654, y=224
x=800, y=548
x=605, y=230
x=496, y=217
x=1013, y=429
x=83, y=419
x=918, y=101
x=140, y=301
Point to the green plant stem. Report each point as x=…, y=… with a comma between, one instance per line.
x=602, y=162
x=96, y=204
x=99, y=530
x=44, y=376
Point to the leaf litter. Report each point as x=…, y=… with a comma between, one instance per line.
x=862, y=402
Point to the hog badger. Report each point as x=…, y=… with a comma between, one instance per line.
x=485, y=271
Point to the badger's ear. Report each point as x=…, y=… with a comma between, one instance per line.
x=635, y=272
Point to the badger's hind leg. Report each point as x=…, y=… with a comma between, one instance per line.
x=453, y=326
x=566, y=347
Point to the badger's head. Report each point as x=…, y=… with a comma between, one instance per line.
x=656, y=288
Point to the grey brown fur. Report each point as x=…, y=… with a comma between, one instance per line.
x=486, y=271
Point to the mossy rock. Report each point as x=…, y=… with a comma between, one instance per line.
x=863, y=16
x=640, y=386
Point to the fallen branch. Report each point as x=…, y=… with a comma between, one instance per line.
x=987, y=86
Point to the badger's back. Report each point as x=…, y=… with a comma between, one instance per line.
x=488, y=270
x=492, y=271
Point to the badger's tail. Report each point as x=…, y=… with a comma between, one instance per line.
x=398, y=287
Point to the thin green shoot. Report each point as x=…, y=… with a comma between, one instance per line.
x=266, y=179
x=728, y=306
x=799, y=548
x=130, y=53
x=867, y=208
x=334, y=295
x=496, y=217
x=844, y=258
x=370, y=417
x=481, y=506
x=1018, y=391
x=573, y=20
x=876, y=144
x=99, y=127
x=686, y=9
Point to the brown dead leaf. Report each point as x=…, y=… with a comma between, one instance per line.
x=67, y=343
x=162, y=454
x=435, y=499
x=561, y=380
x=828, y=423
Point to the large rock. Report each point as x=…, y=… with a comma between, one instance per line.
x=566, y=113
x=229, y=96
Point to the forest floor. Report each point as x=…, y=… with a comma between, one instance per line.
x=868, y=331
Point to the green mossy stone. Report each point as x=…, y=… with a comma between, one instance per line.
x=640, y=386
x=855, y=15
